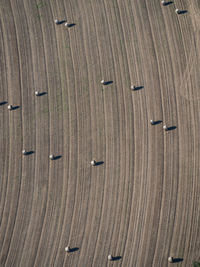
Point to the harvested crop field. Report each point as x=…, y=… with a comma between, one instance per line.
x=141, y=202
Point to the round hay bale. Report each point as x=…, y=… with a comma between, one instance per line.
x=93, y=162
x=10, y=107
x=170, y=259
x=165, y=127
x=110, y=257
x=67, y=249
x=51, y=157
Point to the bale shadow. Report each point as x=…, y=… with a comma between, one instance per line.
x=182, y=12
x=57, y=157
x=116, y=258
x=171, y=128
x=70, y=25
x=42, y=93
x=108, y=82
x=15, y=107
x=99, y=163
x=138, y=88
x=74, y=249
x=62, y=21
x=157, y=122
x=168, y=3
x=30, y=152
x=3, y=103
x=177, y=260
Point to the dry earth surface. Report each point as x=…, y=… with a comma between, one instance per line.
x=143, y=203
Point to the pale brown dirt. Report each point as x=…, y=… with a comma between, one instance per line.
x=143, y=203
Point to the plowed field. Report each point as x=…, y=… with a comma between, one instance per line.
x=141, y=203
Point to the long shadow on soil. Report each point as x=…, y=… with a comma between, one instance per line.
x=157, y=122
x=62, y=21
x=171, y=128
x=177, y=260
x=138, y=88
x=57, y=157
x=108, y=82
x=15, y=107
x=42, y=93
x=99, y=163
x=3, y=103
x=73, y=249
x=182, y=12
x=70, y=25
x=30, y=152
x=168, y=3
x=116, y=258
